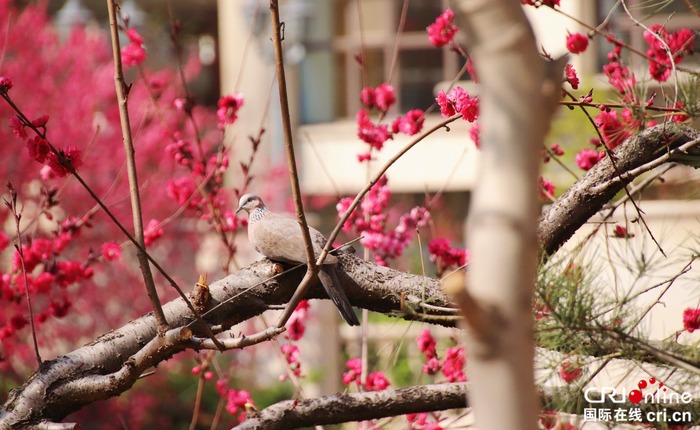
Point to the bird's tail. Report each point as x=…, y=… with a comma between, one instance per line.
x=330, y=282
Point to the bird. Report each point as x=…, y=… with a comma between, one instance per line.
x=280, y=239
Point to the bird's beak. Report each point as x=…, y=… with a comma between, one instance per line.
x=240, y=208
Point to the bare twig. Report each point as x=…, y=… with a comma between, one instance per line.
x=17, y=213
x=311, y=268
x=122, y=96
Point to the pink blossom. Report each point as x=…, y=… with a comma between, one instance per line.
x=612, y=129
x=134, y=36
x=296, y=326
x=366, y=156
x=571, y=76
x=621, y=232
x=444, y=256
x=588, y=158
x=69, y=272
x=62, y=163
x=376, y=381
x=354, y=366
x=474, y=134
x=368, y=97
x=458, y=101
x=41, y=121
x=409, y=124
x=546, y=188
x=431, y=366
x=183, y=190
x=576, y=43
x=426, y=343
x=442, y=31
x=384, y=97
x=17, y=127
x=4, y=240
x=111, y=251
x=133, y=55
x=453, y=365
x=691, y=319
x=152, y=232
x=370, y=133
x=621, y=78
x=228, y=107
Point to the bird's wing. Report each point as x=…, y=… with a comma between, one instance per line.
x=279, y=238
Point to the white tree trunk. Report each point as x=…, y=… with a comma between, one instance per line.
x=518, y=92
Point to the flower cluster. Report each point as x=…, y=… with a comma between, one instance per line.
x=612, y=129
x=236, y=400
x=452, y=367
x=621, y=78
x=667, y=49
x=546, y=188
x=691, y=319
x=134, y=54
x=376, y=381
x=382, y=98
x=442, y=31
x=458, y=101
x=291, y=355
x=371, y=221
x=444, y=256
x=58, y=163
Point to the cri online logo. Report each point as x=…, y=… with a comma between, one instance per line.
x=649, y=390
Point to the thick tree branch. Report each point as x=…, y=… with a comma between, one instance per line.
x=70, y=382
x=341, y=408
x=600, y=184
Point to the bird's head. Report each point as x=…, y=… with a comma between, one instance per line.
x=249, y=202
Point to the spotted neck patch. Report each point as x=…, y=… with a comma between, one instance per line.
x=257, y=214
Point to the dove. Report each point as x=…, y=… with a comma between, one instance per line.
x=280, y=239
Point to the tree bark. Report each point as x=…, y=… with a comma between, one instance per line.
x=519, y=91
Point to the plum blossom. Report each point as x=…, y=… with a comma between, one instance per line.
x=458, y=101
x=228, y=107
x=691, y=319
x=442, y=31
x=111, y=251
x=588, y=158
x=576, y=43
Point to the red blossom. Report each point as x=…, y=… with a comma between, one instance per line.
x=442, y=31
x=576, y=43
x=680, y=44
x=444, y=256
x=6, y=84
x=621, y=78
x=679, y=116
x=17, y=127
x=571, y=76
x=133, y=55
x=426, y=344
x=384, y=97
x=38, y=149
x=691, y=319
x=569, y=372
x=613, y=130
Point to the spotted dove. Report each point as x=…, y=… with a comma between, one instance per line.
x=279, y=239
